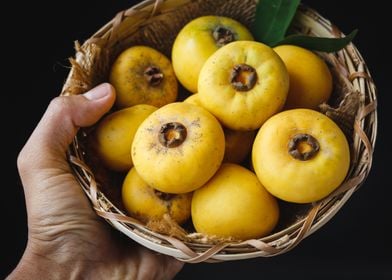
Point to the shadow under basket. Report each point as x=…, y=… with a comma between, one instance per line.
x=155, y=24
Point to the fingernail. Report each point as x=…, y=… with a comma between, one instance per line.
x=98, y=92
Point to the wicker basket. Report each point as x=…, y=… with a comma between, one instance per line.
x=156, y=23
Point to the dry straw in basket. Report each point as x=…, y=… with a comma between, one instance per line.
x=156, y=23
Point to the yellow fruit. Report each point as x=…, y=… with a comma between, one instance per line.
x=300, y=155
x=193, y=99
x=142, y=75
x=243, y=84
x=234, y=204
x=114, y=136
x=238, y=144
x=198, y=40
x=145, y=203
x=178, y=148
x=310, y=79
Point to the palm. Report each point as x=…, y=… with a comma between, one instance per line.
x=63, y=228
x=71, y=222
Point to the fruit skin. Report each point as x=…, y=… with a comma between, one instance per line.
x=243, y=110
x=145, y=203
x=114, y=136
x=130, y=81
x=238, y=144
x=187, y=166
x=295, y=180
x=193, y=99
x=310, y=79
x=234, y=204
x=195, y=43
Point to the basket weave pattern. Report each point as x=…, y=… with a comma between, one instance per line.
x=156, y=23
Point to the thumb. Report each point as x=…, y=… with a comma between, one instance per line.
x=46, y=147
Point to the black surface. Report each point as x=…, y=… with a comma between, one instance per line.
x=355, y=244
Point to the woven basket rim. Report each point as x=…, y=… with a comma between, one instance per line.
x=353, y=69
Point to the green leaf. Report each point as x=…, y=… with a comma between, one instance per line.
x=318, y=43
x=273, y=17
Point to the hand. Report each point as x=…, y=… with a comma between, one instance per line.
x=66, y=238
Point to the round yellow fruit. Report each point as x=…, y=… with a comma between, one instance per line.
x=198, y=40
x=243, y=84
x=114, y=136
x=178, y=148
x=300, y=155
x=143, y=75
x=145, y=203
x=234, y=204
x=310, y=79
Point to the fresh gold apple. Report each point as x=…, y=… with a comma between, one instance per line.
x=311, y=81
x=146, y=203
x=178, y=148
x=143, y=75
x=300, y=155
x=243, y=84
x=234, y=204
x=114, y=136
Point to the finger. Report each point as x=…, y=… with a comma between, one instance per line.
x=46, y=147
x=172, y=267
x=166, y=267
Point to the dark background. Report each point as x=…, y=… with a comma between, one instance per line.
x=355, y=244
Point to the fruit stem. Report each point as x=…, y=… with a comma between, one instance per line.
x=243, y=77
x=153, y=75
x=172, y=134
x=303, y=146
x=222, y=36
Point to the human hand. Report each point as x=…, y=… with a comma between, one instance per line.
x=66, y=239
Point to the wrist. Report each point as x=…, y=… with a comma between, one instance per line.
x=35, y=265
x=69, y=262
